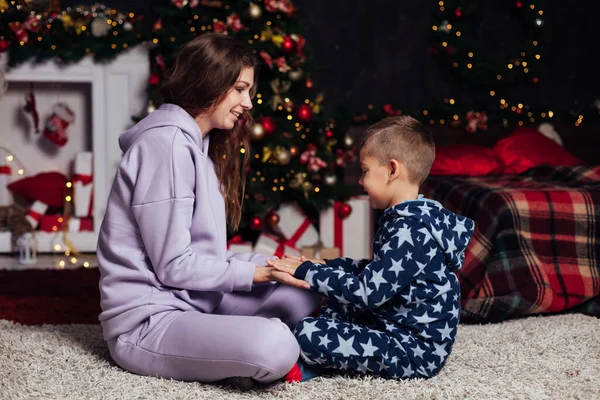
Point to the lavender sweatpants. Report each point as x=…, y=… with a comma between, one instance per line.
x=247, y=335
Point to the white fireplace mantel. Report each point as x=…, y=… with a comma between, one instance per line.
x=118, y=92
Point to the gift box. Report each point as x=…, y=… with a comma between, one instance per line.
x=237, y=245
x=352, y=235
x=295, y=227
x=270, y=245
x=81, y=224
x=83, y=185
x=322, y=253
x=54, y=223
x=35, y=212
x=5, y=174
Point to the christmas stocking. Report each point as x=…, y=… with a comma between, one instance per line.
x=55, y=129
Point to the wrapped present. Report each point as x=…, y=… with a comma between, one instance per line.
x=237, y=245
x=35, y=212
x=81, y=224
x=321, y=253
x=54, y=223
x=295, y=227
x=5, y=174
x=270, y=245
x=351, y=234
x=83, y=184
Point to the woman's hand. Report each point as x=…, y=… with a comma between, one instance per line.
x=270, y=274
x=302, y=259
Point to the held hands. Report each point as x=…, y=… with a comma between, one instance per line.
x=270, y=273
x=282, y=270
x=286, y=265
x=301, y=259
x=290, y=263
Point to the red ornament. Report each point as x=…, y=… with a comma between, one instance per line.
x=153, y=80
x=256, y=223
x=458, y=13
x=536, y=79
x=4, y=45
x=519, y=4
x=288, y=45
x=273, y=218
x=309, y=83
x=329, y=134
x=344, y=210
x=269, y=124
x=304, y=113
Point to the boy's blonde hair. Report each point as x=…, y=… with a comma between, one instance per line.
x=402, y=138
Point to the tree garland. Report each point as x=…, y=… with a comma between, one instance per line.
x=454, y=47
x=66, y=35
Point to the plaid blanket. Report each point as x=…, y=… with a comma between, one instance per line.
x=536, y=246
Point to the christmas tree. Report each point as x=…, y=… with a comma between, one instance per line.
x=297, y=152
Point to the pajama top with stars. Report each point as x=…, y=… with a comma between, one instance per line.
x=394, y=316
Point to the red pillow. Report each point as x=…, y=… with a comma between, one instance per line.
x=527, y=148
x=47, y=187
x=465, y=159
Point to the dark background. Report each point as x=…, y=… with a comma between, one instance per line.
x=376, y=52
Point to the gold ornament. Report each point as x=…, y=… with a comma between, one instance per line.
x=299, y=182
x=268, y=34
x=278, y=88
x=3, y=5
x=316, y=107
x=67, y=21
x=267, y=154
x=283, y=156
x=100, y=27
x=254, y=11
x=348, y=141
x=258, y=131
x=295, y=75
x=330, y=179
x=79, y=26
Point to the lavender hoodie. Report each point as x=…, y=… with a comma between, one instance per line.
x=162, y=243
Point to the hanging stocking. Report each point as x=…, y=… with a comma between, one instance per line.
x=31, y=108
x=57, y=124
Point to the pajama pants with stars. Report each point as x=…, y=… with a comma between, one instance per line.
x=327, y=342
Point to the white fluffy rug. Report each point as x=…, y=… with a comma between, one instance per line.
x=555, y=357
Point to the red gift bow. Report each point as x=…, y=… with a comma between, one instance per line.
x=86, y=180
x=237, y=239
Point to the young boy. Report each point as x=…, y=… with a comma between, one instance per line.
x=394, y=316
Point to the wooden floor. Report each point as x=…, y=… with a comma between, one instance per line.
x=50, y=261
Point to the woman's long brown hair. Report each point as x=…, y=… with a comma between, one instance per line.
x=206, y=69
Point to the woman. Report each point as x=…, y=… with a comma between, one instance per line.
x=175, y=303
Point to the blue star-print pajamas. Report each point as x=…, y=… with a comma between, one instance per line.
x=395, y=316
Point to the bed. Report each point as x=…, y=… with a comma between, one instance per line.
x=536, y=246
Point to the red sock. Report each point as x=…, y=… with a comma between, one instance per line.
x=295, y=375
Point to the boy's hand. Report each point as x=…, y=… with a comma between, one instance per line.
x=302, y=259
